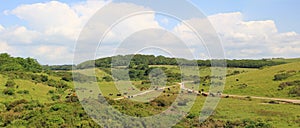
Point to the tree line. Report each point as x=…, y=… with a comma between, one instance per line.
x=8, y=63
x=120, y=60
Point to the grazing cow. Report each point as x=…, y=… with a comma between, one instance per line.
x=111, y=94
x=125, y=93
x=119, y=94
x=169, y=89
x=211, y=94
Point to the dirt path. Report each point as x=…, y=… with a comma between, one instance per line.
x=293, y=101
x=145, y=92
x=264, y=98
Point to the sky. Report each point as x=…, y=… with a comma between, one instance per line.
x=250, y=29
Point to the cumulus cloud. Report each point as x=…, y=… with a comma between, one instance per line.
x=247, y=39
x=4, y=48
x=52, y=18
x=54, y=26
x=53, y=54
x=1, y=28
x=19, y=35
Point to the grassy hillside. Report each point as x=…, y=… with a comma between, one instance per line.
x=30, y=98
x=261, y=82
x=248, y=112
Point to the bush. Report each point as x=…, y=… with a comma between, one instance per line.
x=191, y=116
x=44, y=78
x=9, y=91
x=107, y=78
x=55, y=97
x=51, y=91
x=295, y=91
x=10, y=83
x=282, y=76
x=16, y=103
x=23, y=92
x=2, y=107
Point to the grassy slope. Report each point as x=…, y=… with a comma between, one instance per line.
x=287, y=60
x=278, y=115
x=36, y=91
x=260, y=82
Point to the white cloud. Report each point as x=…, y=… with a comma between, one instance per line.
x=86, y=10
x=1, y=28
x=52, y=18
x=56, y=25
x=19, y=35
x=53, y=54
x=4, y=48
x=53, y=28
x=247, y=39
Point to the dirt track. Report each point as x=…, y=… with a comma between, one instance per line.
x=293, y=101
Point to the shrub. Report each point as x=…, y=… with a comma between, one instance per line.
x=44, y=78
x=107, y=78
x=9, y=91
x=10, y=83
x=2, y=107
x=16, y=103
x=282, y=76
x=191, y=116
x=295, y=91
x=55, y=97
x=51, y=91
x=23, y=92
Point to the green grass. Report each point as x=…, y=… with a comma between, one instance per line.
x=36, y=91
x=203, y=71
x=260, y=82
x=289, y=60
x=278, y=115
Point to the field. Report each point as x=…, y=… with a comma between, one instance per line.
x=261, y=83
x=50, y=99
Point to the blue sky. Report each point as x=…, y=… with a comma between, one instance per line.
x=276, y=22
x=283, y=12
